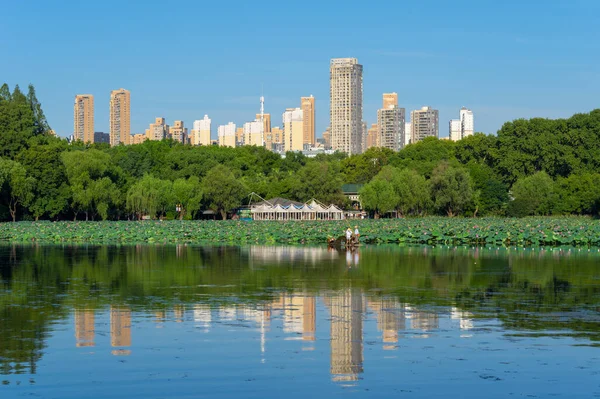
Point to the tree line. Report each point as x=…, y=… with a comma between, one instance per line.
x=530, y=167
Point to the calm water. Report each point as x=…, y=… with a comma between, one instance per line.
x=185, y=321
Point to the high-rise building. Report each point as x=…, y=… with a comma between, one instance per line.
x=227, y=135
x=391, y=120
x=201, y=132
x=365, y=132
x=83, y=116
x=467, y=122
x=239, y=136
x=253, y=133
x=266, y=122
x=178, y=132
x=138, y=138
x=346, y=108
x=390, y=99
x=327, y=137
x=425, y=123
x=407, y=133
x=308, y=113
x=293, y=129
x=455, y=130
x=274, y=139
x=120, y=117
x=158, y=130
x=373, y=136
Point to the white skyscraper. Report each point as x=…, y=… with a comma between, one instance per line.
x=467, y=122
x=407, y=133
x=201, y=131
x=293, y=129
x=253, y=133
x=226, y=135
x=455, y=130
x=346, y=107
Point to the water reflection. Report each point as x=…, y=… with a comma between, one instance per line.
x=311, y=295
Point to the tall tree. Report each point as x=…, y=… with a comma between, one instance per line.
x=187, y=193
x=451, y=189
x=40, y=124
x=18, y=185
x=378, y=196
x=222, y=191
x=533, y=195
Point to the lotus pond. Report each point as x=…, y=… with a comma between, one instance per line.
x=540, y=231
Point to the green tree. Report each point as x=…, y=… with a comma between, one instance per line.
x=187, y=193
x=92, y=190
x=378, y=196
x=451, y=189
x=321, y=181
x=578, y=194
x=222, y=191
x=150, y=196
x=18, y=184
x=533, y=195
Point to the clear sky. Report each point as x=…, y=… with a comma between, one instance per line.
x=183, y=59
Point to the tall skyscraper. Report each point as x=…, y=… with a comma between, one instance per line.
x=253, y=133
x=425, y=123
x=327, y=137
x=83, y=116
x=308, y=113
x=227, y=135
x=407, y=133
x=158, y=130
x=179, y=132
x=201, y=132
x=346, y=108
x=455, y=130
x=467, y=122
x=120, y=117
x=293, y=129
x=390, y=120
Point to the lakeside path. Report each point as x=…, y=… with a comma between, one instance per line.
x=534, y=231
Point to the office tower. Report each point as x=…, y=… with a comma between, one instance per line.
x=120, y=329
x=373, y=136
x=277, y=139
x=455, y=130
x=467, y=122
x=200, y=134
x=346, y=108
x=327, y=137
x=391, y=120
x=178, y=132
x=293, y=129
x=239, y=136
x=407, y=133
x=158, y=130
x=308, y=113
x=84, y=328
x=253, y=133
x=346, y=334
x=227, y=135
x=424, y=124
x=100, y=137
x=120, y=117
x=266, y=122
x=83, y=116
x=389, y=99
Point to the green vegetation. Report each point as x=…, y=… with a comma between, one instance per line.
x=540, y=231
x=531, y=167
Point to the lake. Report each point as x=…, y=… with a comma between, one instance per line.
x=270, y=321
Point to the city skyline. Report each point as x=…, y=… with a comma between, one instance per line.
x=502, y=68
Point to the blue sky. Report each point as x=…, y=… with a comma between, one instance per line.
x=182, y=59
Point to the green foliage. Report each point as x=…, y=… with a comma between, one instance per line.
x=150, y=197
x=533, y=195
x=222, y=191
x=18, y=185
x=188, y=194
x=379, y=196
x=451, y=189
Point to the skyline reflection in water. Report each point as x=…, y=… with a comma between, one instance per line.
x=312, y=317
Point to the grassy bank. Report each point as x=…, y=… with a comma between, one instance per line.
x=435, y=230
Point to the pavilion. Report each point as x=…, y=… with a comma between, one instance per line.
x=284, y=209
